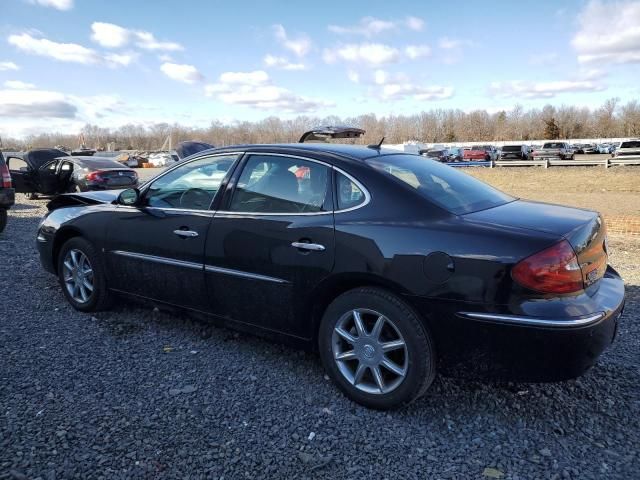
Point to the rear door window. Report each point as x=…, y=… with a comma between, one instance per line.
x=350, y=195
x=445, y=186
x=281, y=184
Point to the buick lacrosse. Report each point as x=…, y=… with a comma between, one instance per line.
x=392, y=266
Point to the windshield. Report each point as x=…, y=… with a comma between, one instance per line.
x=97, y=162
x=445, y=186
x=634, y=144
x=553, y=145
x=512, y=148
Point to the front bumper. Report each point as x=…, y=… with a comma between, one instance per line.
x=513, y=346
x=7, y=197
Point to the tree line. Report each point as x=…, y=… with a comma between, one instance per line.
x=610, y=120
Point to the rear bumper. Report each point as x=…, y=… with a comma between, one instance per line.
x=516, y=347
x=7, y=197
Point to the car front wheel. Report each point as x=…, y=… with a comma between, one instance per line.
x=376, y=349
x=82, y=277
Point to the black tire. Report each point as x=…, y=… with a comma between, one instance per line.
x=3, y=219
x=420, y=360
x=31, y=195
x=100, y=298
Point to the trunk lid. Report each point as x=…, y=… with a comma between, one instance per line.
x=583, y=229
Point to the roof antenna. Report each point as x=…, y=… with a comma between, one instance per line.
x=376, y=147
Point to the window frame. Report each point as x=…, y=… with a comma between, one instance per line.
x=240, y=155
x=331, y=188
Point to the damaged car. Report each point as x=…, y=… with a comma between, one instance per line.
x=47, y=172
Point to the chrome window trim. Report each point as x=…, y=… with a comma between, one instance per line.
x=206, y=213
x=367, y=196
x=533, y=321
x=162, y=260
x=196, y=266
x=240, y=273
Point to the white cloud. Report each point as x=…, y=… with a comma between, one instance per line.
x=363, y=53
x=447, y=43
x=111, y=35
x=255, y=90
x=299, y=46
x=147, y=41
x=372, y=26
x=19, y=85
x=181, y=72
x=525, y=89
x=4, y=66
x=398, y=91
x=64, y=52
x=283, y=63
x=57, y=4
x=165, y=58
x=417, y=51
x=380, y=77
x=415, y=23
x=616, y=40
x=69, y=52
x=35, y=104
x=353, y=76
x=115, y=60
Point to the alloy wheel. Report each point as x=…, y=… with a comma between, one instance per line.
x=369, y=351
x=78, y=276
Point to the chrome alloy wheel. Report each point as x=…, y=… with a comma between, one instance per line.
x=78, y=276
x=370, y=351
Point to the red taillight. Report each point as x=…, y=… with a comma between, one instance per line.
x=554, y=270
x=6, y=176
x=95, y=176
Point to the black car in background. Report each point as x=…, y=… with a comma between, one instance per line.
x=392, y=267
x=440, y=155
x=515, y=152
x=47, y=172
x=7, y=193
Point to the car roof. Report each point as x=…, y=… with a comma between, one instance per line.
x=354, y=152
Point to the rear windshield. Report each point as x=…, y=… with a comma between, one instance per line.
x=96, y=162
x=553, y=145
x=512, y=148
x=445, y=186
x=634, y=144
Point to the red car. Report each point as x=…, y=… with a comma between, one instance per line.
x=480, y=153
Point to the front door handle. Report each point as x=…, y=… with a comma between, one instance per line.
x=314, y=247
x=186, y=233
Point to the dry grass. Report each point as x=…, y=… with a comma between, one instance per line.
x=612, y=191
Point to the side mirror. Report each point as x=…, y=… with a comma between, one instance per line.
x=129, y=197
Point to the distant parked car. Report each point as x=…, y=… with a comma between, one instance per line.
x=7, y=194
x=631, y=147
x=456, y=154
x=552, y=150
x=439, y=155
x=481, y=153
x=604, y=148
x=590, y=148
x=70, y=174
x=515, y=152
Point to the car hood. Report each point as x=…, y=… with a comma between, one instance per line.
x=86, y=198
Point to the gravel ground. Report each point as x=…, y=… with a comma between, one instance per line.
x=137, y=393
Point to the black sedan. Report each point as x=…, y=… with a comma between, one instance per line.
x=391, y=266
x=51, y=171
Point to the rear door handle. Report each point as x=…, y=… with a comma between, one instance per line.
x=314, y=247
x=186, y=233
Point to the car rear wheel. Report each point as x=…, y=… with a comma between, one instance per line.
x=376, y=349
x=3, y=219
x=81, y=276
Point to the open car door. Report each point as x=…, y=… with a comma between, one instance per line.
x=22, y=176
x=323, y=134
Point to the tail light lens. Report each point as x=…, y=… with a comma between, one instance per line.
x=554, y=270
x=6, y=176
x=95, y=176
